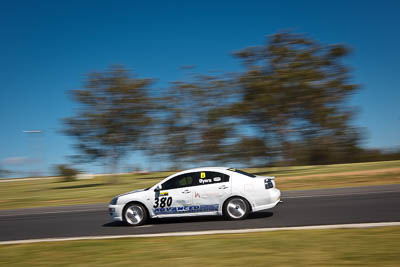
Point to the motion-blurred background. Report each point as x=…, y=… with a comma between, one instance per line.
x=100, y=86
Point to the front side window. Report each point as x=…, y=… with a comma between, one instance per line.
x=186, y=180
x=183, y=180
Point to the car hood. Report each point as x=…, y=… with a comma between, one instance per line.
x=132, y=192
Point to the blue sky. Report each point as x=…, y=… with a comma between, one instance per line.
x=47, y=48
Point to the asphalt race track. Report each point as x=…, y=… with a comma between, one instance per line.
x=299, y=208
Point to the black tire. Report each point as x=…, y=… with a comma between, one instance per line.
x=135, y=214
x=236, y=208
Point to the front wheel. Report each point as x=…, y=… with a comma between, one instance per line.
x=236, y=208
x=135, y=214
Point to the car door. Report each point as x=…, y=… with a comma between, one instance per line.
x=213, y=188
x=175, y=197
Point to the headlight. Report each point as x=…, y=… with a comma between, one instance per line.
x=114, y=201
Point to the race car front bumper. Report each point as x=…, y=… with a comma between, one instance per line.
x=115, y=212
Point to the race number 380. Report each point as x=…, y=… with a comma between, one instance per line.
x=162, y=202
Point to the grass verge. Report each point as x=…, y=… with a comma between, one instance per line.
x=339, y=247
x=54, y=192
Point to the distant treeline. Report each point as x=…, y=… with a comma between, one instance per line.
x=378, y=155
x=288, y=105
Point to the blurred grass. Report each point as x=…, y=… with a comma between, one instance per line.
x=54, y=192
x=326, y=169
x=338, y=247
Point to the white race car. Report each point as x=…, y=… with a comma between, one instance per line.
x=203, y=191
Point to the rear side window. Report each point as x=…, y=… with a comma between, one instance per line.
x=212, y=178
x=242, y=172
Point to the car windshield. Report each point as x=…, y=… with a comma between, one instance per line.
x=242, y=172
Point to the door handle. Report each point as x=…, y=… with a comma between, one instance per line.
x=223, y=187
x=186, y=192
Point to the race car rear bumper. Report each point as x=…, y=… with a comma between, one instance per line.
x=265, y=207
x=275, y=198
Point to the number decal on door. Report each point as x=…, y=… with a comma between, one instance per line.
x=163, y=202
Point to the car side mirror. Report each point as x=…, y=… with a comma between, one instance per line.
x=158, y=188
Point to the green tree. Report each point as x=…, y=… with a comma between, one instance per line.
x=66, y=172
x=189, y=133
x=197, y=128
x=4, y=173
x=288, y=105
x=294, y=93
x=112, y=116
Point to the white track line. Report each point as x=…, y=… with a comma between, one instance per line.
x=52, y=212
x=27, y=179
x=348, y=194
x=212, y=232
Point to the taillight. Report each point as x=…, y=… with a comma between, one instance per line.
x=268, y=183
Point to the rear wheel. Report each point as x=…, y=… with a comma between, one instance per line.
x=236, y=208
x=135, y=214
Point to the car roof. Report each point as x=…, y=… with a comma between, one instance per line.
x=208, y=169
x=221, y=169
x=216, y=169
